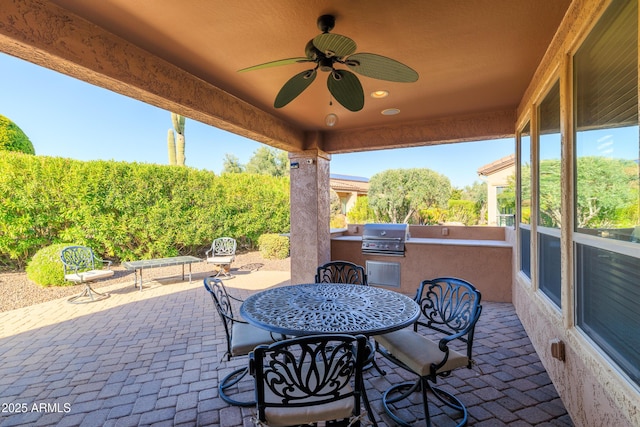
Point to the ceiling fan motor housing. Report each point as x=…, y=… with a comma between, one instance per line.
x=326, y=23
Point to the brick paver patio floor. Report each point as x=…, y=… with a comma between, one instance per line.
x=154, y=358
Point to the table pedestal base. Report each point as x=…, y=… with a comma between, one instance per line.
x=401, y=391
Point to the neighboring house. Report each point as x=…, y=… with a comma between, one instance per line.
x=496, y=175
x=348, y=188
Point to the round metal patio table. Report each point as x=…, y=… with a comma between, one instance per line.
x=329, y=308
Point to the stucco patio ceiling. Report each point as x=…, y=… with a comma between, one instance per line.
x=475, y=60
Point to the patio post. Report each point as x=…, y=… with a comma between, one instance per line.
x=310, y=235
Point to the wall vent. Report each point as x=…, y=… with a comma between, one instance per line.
x=383, y=273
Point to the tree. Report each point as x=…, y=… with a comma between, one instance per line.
x=506, y=201
x=462, y=211
x=176, y=147
x=268, y=161
x=361, y=212
x=606, y=192
x=12, y=138
x=336, y=217
x=397, y=195
x=549, y=196
x=477, y=193
x=231, y=164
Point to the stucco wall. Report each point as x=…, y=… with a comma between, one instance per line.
x=593, y=393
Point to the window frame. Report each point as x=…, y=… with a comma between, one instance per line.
x=526, y=130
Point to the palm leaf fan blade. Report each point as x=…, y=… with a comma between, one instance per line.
x=346, y=89
x=334, y=44
x=275, y=64
x=294, y=87
x=381, y=68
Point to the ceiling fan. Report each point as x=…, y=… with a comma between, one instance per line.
x=328, y=50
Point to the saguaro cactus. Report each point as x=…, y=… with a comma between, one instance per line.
x=176, y=147
x=171, y=146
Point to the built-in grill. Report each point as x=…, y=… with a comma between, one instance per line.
x=384, y=239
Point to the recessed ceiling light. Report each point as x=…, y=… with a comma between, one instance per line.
x=379, y=94
x=390, y=111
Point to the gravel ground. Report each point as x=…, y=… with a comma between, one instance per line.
x=17, y=291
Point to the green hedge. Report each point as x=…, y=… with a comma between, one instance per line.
x=128, y=211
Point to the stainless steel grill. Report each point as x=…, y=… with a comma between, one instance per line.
x=384, y=239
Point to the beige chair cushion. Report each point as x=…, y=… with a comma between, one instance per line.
x=245, y=337
x=337, y=410
x=308, y=414
x=87, y=276
x=419, y=352
x=221, y=259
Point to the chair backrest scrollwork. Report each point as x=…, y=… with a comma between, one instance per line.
x=341, y=272
x=77, y=258
x=224, y=246
x=450, y=306
x=308, y=371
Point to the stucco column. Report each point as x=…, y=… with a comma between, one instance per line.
x=310, y=234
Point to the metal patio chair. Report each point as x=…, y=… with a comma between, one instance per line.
x=450, y=309
x=308, y=379
x=242, y=337
x=341, y=272
x=80, y=265
x=221, y=254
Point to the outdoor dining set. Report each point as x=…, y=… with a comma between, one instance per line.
x=309, y=346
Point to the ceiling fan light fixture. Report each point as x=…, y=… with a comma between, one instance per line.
x=390, y=111
x=331, y=120
x=379, y=94
x=326, y=65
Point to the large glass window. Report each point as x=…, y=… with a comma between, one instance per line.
x=607, y=179
x=549, y=194
x=606, y=79
x=524, y=166
x=608, y=296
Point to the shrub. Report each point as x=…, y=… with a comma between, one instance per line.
x=361, y=212
x=464, y=211
x=12, y=138
x=45, y=268
x=273, y=246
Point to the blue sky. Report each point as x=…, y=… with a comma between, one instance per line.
x=65, y=117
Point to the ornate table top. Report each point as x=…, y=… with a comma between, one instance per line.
x=318, y=308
